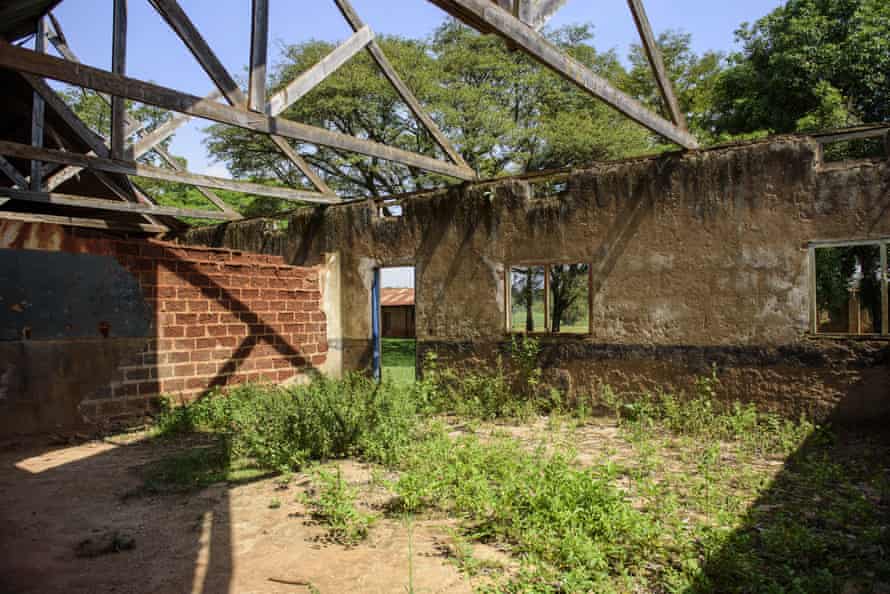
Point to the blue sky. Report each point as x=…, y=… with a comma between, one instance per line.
x=156, y=54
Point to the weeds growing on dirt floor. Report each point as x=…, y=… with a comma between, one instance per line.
x=333, y=502
x=689, y=495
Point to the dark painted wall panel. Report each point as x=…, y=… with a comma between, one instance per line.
x=52, y=295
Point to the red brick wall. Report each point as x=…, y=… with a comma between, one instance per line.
x=220, y=317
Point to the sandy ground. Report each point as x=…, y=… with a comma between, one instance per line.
x=59, y=501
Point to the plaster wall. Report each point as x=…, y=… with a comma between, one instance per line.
x=700, y=259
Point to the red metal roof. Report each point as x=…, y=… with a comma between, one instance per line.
x=391, y=297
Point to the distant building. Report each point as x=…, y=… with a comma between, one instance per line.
x=398, y=312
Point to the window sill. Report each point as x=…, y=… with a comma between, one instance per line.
x=850, y=337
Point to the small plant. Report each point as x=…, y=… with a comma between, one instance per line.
x=333, y=503
x=284, y=428
x=275, y=504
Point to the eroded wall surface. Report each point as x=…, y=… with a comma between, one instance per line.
x=94, y=330
x=700, y=261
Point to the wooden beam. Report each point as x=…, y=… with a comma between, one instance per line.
x=168, y=128
x=24, y=151
x=91, y=139
x=310, y=79
x=119, y=66
x=110, y=205
x=38, y=113
x=209, y=194
x=304, y=167
x=27, y=217
x=656, y=61
x=164, y=131
x=57, y=37
x=183, y=26
x=95, y=142
x=355, y=21
x=13, y=174
x=858, y=133
x=21, y=59
x=175, y=16
x=259, y=55
x=537, y=46
x=885, y=288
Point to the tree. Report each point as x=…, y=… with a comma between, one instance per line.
x=568, y=294
x=809, y=63
x=504, y=112
x=694, y=78
x=358, y=101
x=526, y=288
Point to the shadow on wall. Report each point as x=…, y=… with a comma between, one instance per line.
x=103, y=335
x=105, y=533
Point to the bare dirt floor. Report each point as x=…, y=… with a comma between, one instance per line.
x=69, y=523
x=77, y=517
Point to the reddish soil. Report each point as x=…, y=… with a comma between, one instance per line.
x=60, y=502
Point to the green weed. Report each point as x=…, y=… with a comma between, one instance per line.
x=333, y=503
x=571, y=525
x=284, y=428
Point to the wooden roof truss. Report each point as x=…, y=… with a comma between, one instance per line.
x=115, y=159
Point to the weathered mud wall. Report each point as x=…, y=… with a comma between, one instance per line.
x=699, y=259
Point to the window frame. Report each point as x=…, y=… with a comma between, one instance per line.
x=547, y=331
x=883, y=243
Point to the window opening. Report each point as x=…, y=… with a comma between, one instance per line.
x=550, y=298
x=851, y=288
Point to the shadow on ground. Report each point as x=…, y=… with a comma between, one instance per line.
x=823, y=525
x=83, y=519
x=76, y=519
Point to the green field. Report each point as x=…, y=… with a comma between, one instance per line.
x=398, y=360
x=518, y=321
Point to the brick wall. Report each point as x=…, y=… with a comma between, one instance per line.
x=219, y=317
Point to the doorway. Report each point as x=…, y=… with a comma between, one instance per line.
x=393, y=320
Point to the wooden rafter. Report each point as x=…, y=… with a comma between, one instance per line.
x=21, y=59
x=10, y=171
x=536, y=13
x=38, y=112
x=259, y=55
x=171, y=162
x=110, y=205
x=119, y=66
x=176, y=17
x=179, y=21
x=355, y=21
x=313, y=77
x=96, y=144
x=82, y=222
x=656, y=61
x=506, y=25
x=23, y=151
x=57, y=38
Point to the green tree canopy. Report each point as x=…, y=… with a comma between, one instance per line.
x=809, y=64
x=504, y=112
x=694, y=76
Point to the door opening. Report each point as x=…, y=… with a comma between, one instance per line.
x=394, y=323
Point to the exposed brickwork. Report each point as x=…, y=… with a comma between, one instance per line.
x=219, y=317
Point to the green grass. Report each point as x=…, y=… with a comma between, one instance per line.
x=517, y=318
x=398, y=363
x=690, y=494
x=333, y=503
